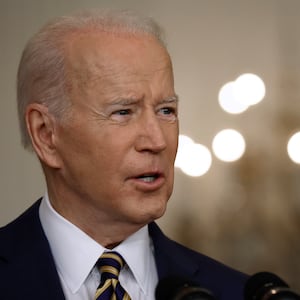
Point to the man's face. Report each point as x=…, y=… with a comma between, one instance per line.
x=118, y=147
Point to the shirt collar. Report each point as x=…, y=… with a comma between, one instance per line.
x=138, y=254
x=75, y=253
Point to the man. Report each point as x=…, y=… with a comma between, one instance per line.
x=97, y=104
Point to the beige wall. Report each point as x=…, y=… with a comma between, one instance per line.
x=245, y=214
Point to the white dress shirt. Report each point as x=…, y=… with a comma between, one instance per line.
x=75, y=254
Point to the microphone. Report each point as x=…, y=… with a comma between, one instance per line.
x=178, y=288
x=268, y=286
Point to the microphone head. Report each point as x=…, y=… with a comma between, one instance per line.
x=265, y=285
x=178, y=288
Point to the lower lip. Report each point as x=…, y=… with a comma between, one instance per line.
x=148, y=186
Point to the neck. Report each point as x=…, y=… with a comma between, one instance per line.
x=108, y=233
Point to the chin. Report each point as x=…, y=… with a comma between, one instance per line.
x=154, y=213
x=147, y=209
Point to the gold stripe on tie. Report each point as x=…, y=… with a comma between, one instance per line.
x=126, y=297
x=103, y=288
x=113, y=256
x=110, y=269
x=109, y=265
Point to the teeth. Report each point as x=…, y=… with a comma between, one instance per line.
x=148, y=178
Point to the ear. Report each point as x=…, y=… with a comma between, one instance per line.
x=41, y=129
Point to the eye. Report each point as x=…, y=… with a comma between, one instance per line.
x=167, y=110
x=122, y=115
x=168, y=113
x=122, y=112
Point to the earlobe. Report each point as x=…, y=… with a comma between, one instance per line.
x=41, y=128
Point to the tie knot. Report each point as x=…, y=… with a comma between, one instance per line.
x=110, y=264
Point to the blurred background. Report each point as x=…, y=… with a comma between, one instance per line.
x=240, y=202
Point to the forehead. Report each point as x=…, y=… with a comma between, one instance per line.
x=97, y=54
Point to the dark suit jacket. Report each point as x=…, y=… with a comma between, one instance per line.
x=27, y=269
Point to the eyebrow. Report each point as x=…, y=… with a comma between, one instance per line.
x=174, y=98
x=131, y=100
x=124, y=101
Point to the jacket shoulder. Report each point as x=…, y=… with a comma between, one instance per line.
x=26, y=259
x=175, y=259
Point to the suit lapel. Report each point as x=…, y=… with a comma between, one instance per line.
x=25, y=256
x=171, y=258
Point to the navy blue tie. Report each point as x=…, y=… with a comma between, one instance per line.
x=109, y=265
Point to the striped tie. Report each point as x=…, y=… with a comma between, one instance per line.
x=109, y=265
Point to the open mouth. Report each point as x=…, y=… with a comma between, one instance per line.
x=148, y=177
x=151, y=181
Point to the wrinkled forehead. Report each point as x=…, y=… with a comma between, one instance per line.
x=96, y=54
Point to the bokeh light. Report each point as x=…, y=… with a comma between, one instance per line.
x=193, y=159
x=249, y=89
x=235, y=97
x=293, y=148
x=228, y=145
x=183, y=141
x=228, y=101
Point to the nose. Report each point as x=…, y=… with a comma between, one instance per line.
x=151, y=136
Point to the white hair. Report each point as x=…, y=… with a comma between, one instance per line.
x=42, y=75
